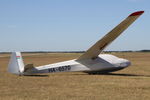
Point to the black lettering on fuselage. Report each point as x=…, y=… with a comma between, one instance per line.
x=59, y=69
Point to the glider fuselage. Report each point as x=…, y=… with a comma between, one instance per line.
x=104, y=63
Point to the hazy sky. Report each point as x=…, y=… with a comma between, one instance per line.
x=70, y=25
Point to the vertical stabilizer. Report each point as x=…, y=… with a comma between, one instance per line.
x=16, y=65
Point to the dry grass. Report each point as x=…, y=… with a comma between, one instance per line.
x=132, y=83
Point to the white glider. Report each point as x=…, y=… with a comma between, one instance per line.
x=91, y=61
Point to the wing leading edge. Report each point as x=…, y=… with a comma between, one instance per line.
x=99, y=46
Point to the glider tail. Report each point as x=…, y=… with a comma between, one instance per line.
x=16, y=65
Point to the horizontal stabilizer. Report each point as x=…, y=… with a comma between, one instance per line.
x=28, y=67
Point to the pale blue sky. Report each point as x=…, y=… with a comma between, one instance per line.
x=70, y=25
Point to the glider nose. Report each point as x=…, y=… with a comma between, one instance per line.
x=125, y=63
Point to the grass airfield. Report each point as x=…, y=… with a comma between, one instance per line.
x=132, y=83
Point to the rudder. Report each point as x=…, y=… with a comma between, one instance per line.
x=16, y=65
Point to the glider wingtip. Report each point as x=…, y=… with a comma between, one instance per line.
x=137, y=13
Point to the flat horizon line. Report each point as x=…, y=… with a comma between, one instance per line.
x=144, y=50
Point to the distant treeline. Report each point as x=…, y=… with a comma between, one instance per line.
x=46, y=52
x=130, y=51
x=73, y=51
